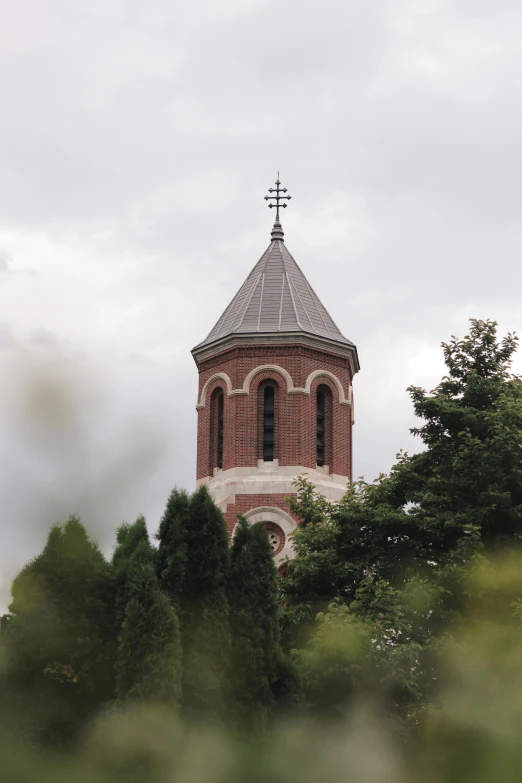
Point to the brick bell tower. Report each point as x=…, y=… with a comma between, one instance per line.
x=275, y=395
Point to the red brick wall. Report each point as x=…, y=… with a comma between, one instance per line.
x=246, y=503
x=295, y=413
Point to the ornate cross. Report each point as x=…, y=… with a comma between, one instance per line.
x=278, y=197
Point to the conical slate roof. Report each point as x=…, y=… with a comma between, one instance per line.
x=276, y=297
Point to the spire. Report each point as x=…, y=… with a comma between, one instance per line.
x=276, y=303
x=276, y=298
x=277, y=230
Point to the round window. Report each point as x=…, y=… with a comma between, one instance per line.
x=276, y=537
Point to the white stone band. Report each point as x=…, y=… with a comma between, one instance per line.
x=268, y=478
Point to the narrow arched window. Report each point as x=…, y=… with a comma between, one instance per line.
x=220, y=429
x=324, y=434
x=268, y=423
x=217, y=427
x=320, y=427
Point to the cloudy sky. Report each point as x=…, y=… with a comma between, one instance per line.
x=137, y=140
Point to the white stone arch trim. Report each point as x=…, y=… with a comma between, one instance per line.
x=217, y=376
x=278, y=517
x=247, y=382
x=266, y=368
x=326, y=373
x=290, y=388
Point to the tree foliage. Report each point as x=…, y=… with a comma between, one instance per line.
x=256, y=652
x=204, y=609
x=410, y=537
x=171, y=556
x=387, y=588
x=148, y=663
x=59, y=638
x=470, y=471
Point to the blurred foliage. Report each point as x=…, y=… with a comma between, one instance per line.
x=470, y=733
x=59, y=640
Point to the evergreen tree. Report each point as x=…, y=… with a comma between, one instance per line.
x=170, y=559
x=465, y=485
x=413, y=535
x=256, y=652
x=204, y=608
x=128, y=539
x=470, y=473
x=59, y=639
x=148, y=664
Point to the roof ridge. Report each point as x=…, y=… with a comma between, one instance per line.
x=303, y=306
x=288, y=281
x=261, y=299
x=281, y=302
x=250, y=297
x=315, y=295
x=315, y=300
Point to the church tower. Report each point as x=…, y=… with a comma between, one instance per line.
x=275, y=395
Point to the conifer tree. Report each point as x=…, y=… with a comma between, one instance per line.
x=418, y=530
x=171, y=555
x=470, y=471
x=466, y=486
x=204, y=609
x=148, y=664
x=59, y=638
x=256, y=652
x=128, y=539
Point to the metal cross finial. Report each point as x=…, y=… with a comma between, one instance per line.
x=277, y=197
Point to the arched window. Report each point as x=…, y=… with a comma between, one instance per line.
x=220, y=428
x=323, y=426
x=320, y=427
x=268, y=423
x=217, y=405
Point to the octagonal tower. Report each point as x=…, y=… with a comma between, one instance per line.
x=275, y=396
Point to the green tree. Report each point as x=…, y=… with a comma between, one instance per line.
x=470, y=473
x=171, y=555
x=413, y=535
x=463, y=492
x=363, y=650
x=128, y=539
x=58, y=639
x=256, y=651
x=336, y=545
x=466, y=485
x=148, y=664
x=204, y=609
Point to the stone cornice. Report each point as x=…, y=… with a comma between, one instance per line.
x=200, y=353
x=271, y=478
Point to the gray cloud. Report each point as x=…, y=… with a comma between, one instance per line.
x=136, y=144
x=5, y=263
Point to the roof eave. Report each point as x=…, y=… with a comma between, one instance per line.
x=205, y=350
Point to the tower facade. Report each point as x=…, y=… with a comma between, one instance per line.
x=275, y=397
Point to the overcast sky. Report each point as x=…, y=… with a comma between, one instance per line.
x=137, y=140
